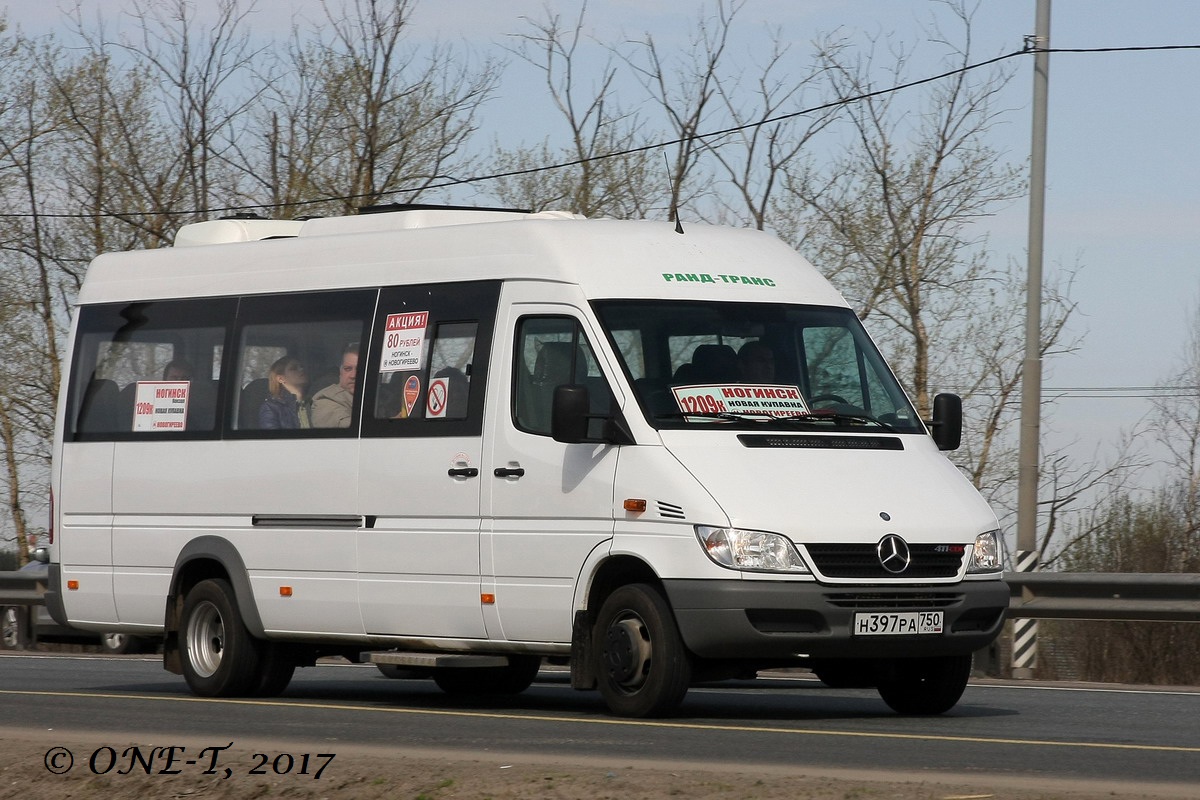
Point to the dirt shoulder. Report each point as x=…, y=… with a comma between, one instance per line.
x=47, y=765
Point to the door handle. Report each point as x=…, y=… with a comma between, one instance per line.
x=509, y=472
x=463, y=472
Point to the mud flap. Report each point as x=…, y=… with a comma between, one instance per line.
x=583, y=676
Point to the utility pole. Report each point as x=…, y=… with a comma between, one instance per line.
x=1025, y=630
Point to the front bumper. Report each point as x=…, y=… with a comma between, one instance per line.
x=733, y=619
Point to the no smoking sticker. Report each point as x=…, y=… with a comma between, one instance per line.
x=435, y=400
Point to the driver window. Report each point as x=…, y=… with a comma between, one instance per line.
x=551, y=352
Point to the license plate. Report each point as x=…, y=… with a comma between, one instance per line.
x=901, y=623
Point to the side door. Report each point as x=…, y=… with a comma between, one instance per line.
x=549, y=504
x=422, y=450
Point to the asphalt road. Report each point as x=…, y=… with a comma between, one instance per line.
x=1084, y=734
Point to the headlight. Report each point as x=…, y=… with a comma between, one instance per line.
x=986, y=555
x=750, y=550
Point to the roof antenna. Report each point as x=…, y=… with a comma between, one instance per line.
x=674, y=210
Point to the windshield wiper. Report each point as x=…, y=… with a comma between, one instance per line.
x=838, y=416
x=725, y=416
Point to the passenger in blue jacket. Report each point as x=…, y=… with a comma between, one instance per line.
x=286, y=407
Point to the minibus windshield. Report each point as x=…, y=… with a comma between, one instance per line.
x=754, y=365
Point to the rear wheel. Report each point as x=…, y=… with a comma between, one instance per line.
x=277, y=665
x=10, y=628
x=926, y=686
x=219, y=656
x=512, y=679
x=641, y=664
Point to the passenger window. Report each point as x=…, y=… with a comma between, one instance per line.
x=428, y=363
x=147, y=369
x=436, y=387
x=291, y=355
x=551, y=352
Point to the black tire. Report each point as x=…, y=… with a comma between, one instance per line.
x=277, y=665
x=117, y=644
x=513, y=679
x=926, y=686
x=219, y=656
x=10, y=628
x=641, y=665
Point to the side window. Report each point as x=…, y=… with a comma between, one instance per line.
x=296, y=366
x=551, y=352
x=147, y=369
x=428, y=362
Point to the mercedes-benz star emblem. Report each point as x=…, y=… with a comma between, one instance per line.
x=893, y=553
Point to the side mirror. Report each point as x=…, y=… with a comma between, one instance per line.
x=41, y=554
x=569, y=414
x=946, y=426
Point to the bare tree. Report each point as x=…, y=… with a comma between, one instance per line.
x=203, y=102
x=597, y=182
x=1177, y=429
x=738, y=132
x=360, y=113
x=891, y=218
x=29, y=284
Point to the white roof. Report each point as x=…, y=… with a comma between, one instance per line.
x=605, y=258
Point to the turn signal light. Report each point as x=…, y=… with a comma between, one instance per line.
x=634, y=505
x=285, y=591
x=487, y=599
x=72, y=585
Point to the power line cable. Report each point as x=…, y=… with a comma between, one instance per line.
x=1109, y=392
x=451, y=182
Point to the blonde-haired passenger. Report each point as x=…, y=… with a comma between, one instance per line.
x=286, y=407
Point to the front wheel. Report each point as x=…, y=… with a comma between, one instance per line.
x=926, y=686
x=219, y=656
x=641, y=664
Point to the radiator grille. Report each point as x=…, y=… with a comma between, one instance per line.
x=862, y=561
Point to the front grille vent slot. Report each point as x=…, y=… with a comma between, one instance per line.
x=893, y=600
x=670, y=510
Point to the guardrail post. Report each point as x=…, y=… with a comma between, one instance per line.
x=1024, y=650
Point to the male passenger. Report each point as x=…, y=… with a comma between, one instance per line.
x=331, y=407
x=756, y=362
x=177, y=370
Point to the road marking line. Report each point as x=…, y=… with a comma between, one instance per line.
x=920, y=737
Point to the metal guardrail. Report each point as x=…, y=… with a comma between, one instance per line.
x=25, y=591
x=1145, y=597
x=1152, y=597
x=21, y=589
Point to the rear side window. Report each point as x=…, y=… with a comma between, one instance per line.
x=288, y=374
x=429, y=356
x=148, y=370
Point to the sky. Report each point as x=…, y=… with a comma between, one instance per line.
x=1123, y=161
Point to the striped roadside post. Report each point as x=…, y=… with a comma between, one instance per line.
x=1024, y=650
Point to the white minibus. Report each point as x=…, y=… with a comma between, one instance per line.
x=458, y=442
